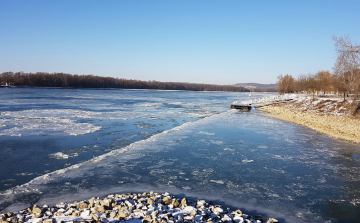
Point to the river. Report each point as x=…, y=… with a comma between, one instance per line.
x=72, y=144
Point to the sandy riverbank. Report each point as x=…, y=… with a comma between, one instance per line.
x=330, y=117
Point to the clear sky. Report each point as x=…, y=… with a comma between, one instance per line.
x=202, y=41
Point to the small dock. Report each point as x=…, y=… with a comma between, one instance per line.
x=244, y=108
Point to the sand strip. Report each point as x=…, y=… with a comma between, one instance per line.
x=342, y=127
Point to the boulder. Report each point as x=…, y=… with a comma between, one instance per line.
x=272, y=220
x=184, y=202
x=36, y=209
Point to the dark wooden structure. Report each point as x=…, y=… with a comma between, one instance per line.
x=245, y=108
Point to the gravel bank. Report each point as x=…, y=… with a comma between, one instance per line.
x=329, y=117
x=147, y=207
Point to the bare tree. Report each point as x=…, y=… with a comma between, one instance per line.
x=347, y=65
x=323, y=79
x=285, y=84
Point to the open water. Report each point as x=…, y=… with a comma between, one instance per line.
x=71, y=144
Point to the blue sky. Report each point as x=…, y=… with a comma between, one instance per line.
x=202, y=41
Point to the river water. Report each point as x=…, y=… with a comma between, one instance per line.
x=72, y=144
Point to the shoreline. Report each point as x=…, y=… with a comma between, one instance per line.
x=340, y=126
x=134, y=208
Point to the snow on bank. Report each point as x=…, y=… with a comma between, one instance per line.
x=268, y=99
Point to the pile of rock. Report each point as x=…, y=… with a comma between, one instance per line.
x=147, y=208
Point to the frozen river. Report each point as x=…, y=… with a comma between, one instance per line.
x=71, y=144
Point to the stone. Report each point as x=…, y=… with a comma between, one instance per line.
x=95, y=217
x=36, y=209
x=122, y=214
x=146, y=220
x=100, y=209
x=166, y=201
x=184, y=202
x=85, y=213
x=112, y=214
x=272, y=220
x=226, y=218
x=37, y=215
x=106, y=202
x=78, y=213
x=176, y=203
x=150, y=201
x=200, y=203
x=82, y=205
x=237, y=212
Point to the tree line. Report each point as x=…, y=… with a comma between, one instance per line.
x=43, y=79
x=345, y=80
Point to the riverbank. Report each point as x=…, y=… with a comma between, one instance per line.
x=137, y=208
x=329, y=116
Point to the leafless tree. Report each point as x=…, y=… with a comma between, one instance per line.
x=347, y=65
x=323, y=79
x=285, y=84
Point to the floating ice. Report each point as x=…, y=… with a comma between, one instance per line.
x=217, y=181
x=45, y=122
x=61, y=155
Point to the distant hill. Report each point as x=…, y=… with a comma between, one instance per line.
x=258, y=87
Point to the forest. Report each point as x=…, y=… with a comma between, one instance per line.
x=345, y=80
x=43, y=79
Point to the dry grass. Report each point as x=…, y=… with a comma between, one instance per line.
x=333, y=118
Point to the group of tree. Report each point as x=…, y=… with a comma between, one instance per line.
x=345, y=80
x=43, y=79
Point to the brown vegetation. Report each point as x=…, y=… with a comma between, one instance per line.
x=42, y=79
x=344, y=81
x=334, y=118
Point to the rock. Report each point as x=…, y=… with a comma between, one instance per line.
x=85, y=213
x=150, y=201
x=128, y=203
x=193, y=212
x=238, y=218
x=36, y=209
x=113, y=214
x=272, y=220
x=237, y=212
x=91, y=202
x=200, y=203
x=78, y=213
x=166, y=201
x=106, y=202
x=122, y=214
x=82, y=205
x=48, y=221
x=189, y=218
x=146, y=220
x=175, y=202
x=37, y=215
x=184, y=202
x=226, y=218
x=100, y=209
x=95, y=217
